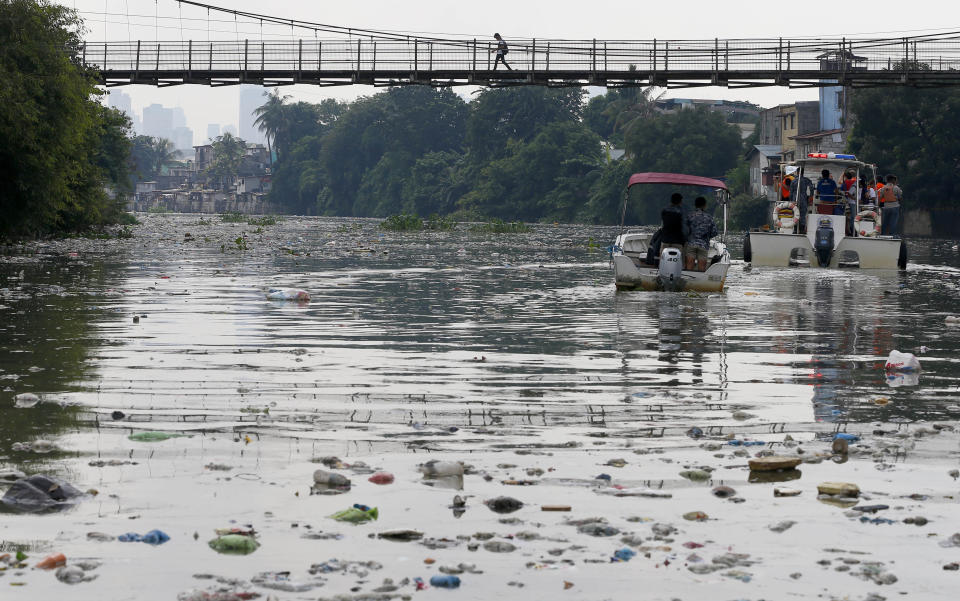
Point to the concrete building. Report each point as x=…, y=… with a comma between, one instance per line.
x=781, y=124
x=764, y=162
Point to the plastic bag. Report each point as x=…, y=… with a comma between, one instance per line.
x=898, y=361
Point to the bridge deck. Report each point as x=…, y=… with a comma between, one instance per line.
x=919, y=61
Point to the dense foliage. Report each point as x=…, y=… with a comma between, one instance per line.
x=61, y=148
x=911, y=133
x=518, y=154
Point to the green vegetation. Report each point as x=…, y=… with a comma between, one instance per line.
x=61, y=147
x=499, y=226
x=911, y=133
x=233, y=218
x=402, y=223
x=437, y=223
x=520, y=155
x=264, y=220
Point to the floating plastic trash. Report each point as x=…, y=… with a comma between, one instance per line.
x=288, y=294
x=234, y=544
x=154, y=537
x=356, y=514
x=898, y=361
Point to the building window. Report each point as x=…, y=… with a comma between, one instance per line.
x=839, y=96
x=791, y=121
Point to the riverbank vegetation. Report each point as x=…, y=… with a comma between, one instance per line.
x=65, y=157
x=514, y=154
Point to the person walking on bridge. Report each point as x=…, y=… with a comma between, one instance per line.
x=501, y=51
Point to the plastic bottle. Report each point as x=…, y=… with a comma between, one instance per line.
x=445, y=581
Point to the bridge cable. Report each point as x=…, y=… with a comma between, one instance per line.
x=126, y=6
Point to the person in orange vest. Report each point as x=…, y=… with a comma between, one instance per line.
x=785, y=188
x=891, y=195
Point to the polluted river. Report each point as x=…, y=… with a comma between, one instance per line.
x=467, y=415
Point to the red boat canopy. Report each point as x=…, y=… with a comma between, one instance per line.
x=677, y=179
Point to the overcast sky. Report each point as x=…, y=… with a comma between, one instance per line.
x=123, y=20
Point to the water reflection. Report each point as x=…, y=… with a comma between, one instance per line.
x=48, y=304
x=520, y=334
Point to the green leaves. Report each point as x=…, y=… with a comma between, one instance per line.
x=911, y=133
x=60, y=146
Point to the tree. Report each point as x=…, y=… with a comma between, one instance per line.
x=695, y=142
x=547, y=177
x=911, y=133
x=51, y=130
x=271, y=118
x=228, y=151
x=500, y=115
x=370, y=150
x=612, y=114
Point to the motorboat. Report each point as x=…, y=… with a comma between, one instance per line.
x=639, y=262
x=831, y=234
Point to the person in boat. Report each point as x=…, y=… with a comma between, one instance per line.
x=869, y=197
x=891, y=195
x=849, y=190
x=701, y=228
x=827, y=191
x=674, y=224
x=800, y=192
x=785, y=188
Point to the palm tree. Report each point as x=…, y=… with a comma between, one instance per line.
x=271, y=118
x=163, y=154
x=634, y=105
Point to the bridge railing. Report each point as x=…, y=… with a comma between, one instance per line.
x=557, y=56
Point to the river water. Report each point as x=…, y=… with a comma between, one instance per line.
x=510, y=352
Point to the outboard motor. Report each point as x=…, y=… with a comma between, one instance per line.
x=669, y=273
x=823, y=242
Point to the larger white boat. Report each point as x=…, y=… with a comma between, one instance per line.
x=831, y=234
x=638, y=264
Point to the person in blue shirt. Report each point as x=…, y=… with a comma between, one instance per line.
x=827, y=191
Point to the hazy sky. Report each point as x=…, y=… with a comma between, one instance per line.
x=123, y=20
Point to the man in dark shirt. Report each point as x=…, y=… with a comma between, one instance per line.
x=674, y=234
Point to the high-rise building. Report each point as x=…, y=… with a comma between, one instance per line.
x=213, y=130
x=251, y=98
x=229, y=129
x=182, y=138
x=121, y=101
x=158, y=121
x=178, y=118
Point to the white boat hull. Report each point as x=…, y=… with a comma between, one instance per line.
x=631, y=272
x=774, y=249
